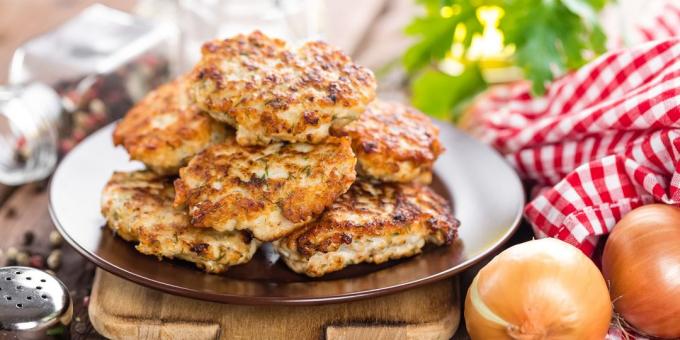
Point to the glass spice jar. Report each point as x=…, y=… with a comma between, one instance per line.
x=69, y=82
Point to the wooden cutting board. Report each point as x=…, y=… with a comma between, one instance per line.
x=120, y=309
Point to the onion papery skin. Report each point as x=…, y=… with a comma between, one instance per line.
x=540, y=289
x=641, y=261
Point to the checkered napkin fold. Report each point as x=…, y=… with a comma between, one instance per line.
x=601, y=142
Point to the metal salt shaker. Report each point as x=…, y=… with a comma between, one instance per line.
x=31, y=302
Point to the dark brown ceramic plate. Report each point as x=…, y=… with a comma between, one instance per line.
x=488, y=200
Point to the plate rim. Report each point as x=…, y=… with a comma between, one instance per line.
x=229, y=298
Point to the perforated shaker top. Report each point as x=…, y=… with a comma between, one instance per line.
x=32, y=299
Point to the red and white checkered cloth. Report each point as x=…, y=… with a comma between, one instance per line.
x=602, y=141
x=664, y=23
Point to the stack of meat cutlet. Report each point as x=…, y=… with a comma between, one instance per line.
x=264, y=143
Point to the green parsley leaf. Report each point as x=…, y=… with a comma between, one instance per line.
x=551, y=37
x=436, y=33
x=439, y=94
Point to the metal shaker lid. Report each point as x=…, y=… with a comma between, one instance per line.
x=31, y=299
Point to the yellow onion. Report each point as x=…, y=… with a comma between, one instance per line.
x=641, y=261
x=541, y=289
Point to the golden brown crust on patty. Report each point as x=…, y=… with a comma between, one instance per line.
x=164, y=130
x=269, y=190
x=372, y=222
x=270, y=93
x=138, y=206
x=394, y=142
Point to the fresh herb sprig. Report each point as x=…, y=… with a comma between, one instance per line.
x=550, y=38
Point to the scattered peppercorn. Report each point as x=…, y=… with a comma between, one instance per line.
x=37, y=261
x=23, y=259
x=28, y=238
x=55, y=239
x=12, y=253
x=54, y=259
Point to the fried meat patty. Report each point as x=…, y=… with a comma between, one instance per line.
x=269, y=92
x=164, y=130
x=269, y=190
x=394, y=142
x=138, y=206
x=372, y=222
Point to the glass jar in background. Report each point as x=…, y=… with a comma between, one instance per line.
x=67, y=83
x=202, y=20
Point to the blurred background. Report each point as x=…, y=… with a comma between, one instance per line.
x=71, y=66
x=351, y=25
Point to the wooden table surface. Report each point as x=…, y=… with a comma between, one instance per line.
x=370, y=30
